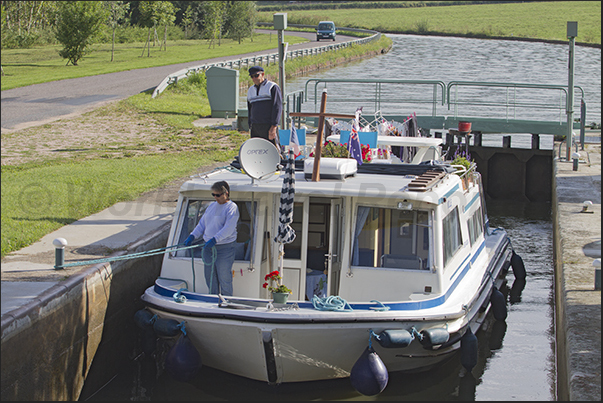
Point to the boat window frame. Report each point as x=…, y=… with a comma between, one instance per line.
x=182, y=235
x=457, y=245
x=427, y=264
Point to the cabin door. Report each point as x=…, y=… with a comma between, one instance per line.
x=335, y=247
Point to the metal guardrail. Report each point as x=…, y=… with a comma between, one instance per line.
x=265, y=60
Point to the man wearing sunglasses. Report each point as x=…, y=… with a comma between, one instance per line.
x=264, y=105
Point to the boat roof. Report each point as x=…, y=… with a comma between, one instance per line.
x=429, y=183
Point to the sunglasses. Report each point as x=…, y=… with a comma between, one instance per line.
x=217, y=194
x=256, y=75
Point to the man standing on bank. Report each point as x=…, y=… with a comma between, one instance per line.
x=218, y=227
x=265, y=106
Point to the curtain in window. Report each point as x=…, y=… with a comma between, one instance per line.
x=361, y=219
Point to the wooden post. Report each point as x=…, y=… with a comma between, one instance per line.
x=321, y=124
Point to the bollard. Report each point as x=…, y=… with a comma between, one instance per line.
x=477, y=139
x=575, y=158
x=597, y=266
x=535, y=141
x=59, y=253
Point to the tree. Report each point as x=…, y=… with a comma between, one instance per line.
x=153, y=13
x=213, y=20
x=166, y=16
x=117, y=14
x=187, y=20
x=77, y=24
x=240, y=19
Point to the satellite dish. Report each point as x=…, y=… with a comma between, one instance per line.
x=259, y=157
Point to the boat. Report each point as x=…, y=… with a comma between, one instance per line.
x=390, y=258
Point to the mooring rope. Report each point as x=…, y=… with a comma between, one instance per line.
x=152, y=252
x=330, y=303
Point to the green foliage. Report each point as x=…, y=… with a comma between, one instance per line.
x=240, y=20
x=77, y=24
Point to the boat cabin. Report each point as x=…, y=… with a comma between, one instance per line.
x=386, y=232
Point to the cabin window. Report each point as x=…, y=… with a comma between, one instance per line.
x=451, y=227
x=293, y=250
x=476, y=225
x=392, y=238
x=192, y=215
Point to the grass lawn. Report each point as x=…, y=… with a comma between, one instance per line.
x=43, y=64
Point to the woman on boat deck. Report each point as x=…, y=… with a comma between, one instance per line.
x=218, y=226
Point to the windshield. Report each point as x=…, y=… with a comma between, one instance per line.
x=326, y=27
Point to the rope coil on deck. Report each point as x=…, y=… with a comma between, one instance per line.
x=330, y=303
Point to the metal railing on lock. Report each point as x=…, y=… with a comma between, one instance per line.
x=265, y=60
x=436, y=96
x=538, y=96
x=491, y=106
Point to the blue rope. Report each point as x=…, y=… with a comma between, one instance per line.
x=414, y=333
x=381, y=307
x=330, y=303
x=214, y=257
x=130, y=256
x=371, y=335
x=182, y=328
x=178, y=297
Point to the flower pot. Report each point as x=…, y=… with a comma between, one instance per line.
x=280, y=297
x=464, y=126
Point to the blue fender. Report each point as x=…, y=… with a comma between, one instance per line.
x=434, y=337
x=519, y=270
x=395, y=338
x=499, y=304
x=183, y=361
x=166, y=327
x=469, y=350
x=369, y=375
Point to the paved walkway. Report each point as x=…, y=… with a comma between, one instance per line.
x=578, y=237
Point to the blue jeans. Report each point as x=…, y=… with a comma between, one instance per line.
x=218, y=275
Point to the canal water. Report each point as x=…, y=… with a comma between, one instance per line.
x=516, y=358
x=447, y=59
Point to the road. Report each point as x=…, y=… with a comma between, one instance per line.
x=37, y=104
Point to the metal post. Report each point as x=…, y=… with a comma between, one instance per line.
x=582, y=122
x=59, y=253
x=572, y=32
x=280, y=24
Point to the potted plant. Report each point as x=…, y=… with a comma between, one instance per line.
x=280, y=292
x=463, y=160
x=330, y=149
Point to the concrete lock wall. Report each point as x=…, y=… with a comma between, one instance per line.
x=82, y=329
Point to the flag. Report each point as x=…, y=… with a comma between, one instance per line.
x=354, y=141
x=285, y=233
x=294, y=141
